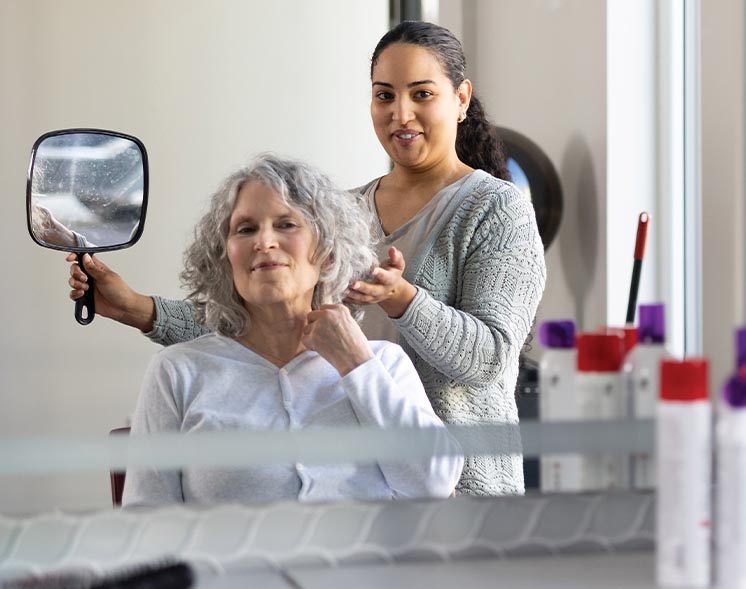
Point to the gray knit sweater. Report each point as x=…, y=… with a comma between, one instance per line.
x=480, y=277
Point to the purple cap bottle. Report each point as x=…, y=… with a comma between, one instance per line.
x=734, y=392
x=557, y=334
x=741, y=349
x=652, y=326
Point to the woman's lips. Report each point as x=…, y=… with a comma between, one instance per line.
x=406, y=137
x=266, y=266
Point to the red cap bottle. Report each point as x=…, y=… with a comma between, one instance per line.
x=684, y=380
x=600, y=352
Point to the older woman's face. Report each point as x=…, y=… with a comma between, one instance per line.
x=270, y=248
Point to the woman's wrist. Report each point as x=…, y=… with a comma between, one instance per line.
x=140, y=315
x=347, y=365
x=397, y=304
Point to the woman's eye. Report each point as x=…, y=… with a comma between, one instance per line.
x=423, y=94
x=288, y=225
x=245, y=229
x=384, y=96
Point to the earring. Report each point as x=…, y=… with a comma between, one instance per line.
x=462, y=117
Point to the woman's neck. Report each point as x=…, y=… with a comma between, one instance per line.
x=404, y=192
x=274, y=337
x=427, y=180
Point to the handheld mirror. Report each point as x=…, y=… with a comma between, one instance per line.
x=87, y=192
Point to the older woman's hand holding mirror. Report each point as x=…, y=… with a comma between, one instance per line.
x=87, y=192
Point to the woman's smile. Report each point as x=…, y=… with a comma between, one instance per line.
x=267, y=266
x=406, y=137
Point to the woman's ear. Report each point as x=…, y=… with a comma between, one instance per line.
x=329, y=257
x=464, y=94
x=327, y=262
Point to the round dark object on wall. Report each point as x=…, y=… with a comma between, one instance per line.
x=534, y=174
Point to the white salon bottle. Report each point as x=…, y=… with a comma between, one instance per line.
x=558, y=402
x=731, y=477
x=640, y=376
x=684, y=446
x=599, y=392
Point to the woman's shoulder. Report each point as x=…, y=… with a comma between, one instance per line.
x=209, y=345
x=388, y=352
x=492, y=207
x=360, y=191
x=487, y=187
x=485, y=198
x=380, y=346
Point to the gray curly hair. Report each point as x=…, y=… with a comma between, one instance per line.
x=339, y=222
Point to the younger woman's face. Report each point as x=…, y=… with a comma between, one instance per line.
x=414, y=108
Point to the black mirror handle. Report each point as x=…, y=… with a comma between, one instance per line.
x=85, y=308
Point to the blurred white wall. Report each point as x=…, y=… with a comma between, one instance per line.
x=723, y=181
x=205, y=85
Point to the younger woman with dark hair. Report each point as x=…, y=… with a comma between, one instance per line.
x=464, y=302
x=477, y=143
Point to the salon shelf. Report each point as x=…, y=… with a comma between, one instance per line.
x=631, y=571
x=228, y=539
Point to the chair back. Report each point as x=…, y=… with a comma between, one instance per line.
x=117, y=476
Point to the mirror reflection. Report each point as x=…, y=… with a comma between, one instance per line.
x=86, y=190
x=206, y=131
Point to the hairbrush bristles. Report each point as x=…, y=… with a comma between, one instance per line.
x=168, y=575
x=161, y=575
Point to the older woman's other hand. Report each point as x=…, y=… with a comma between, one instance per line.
x=50, y=229
x=112, y=295
x=335, y=335
x=388, y=288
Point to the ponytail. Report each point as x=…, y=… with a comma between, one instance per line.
x=478, y=144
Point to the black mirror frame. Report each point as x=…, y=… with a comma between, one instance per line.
x=82, y=250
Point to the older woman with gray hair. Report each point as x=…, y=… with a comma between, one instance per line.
x=270, y=262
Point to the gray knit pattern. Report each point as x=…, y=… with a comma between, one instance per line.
x=480, y=278
x=174, y=322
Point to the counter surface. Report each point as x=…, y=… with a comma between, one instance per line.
x=631, y=571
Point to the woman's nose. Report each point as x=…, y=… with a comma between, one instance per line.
x=403, y=112
x=265, y=239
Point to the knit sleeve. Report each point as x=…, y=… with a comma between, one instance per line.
x=498, y=292
x=174, y=322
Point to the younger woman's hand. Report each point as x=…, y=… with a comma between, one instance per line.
x=335, y=335
x=112, y=295
x=388, y=288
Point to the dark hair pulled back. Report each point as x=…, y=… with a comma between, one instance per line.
x=477, y=141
